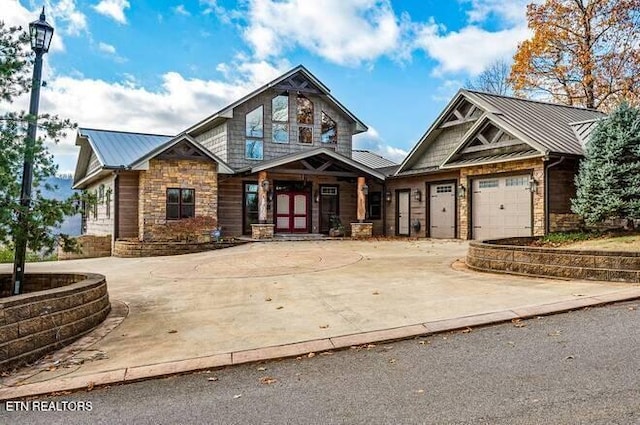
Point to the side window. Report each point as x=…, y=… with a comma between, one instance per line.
x=280, y=119
x=254, y=134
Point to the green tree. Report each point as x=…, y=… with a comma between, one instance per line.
x=44, y=214
x=608, y=182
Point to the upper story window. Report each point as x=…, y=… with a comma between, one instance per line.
x=305, y=120
x=329, y=129
x=280, y=118
x=254, y=134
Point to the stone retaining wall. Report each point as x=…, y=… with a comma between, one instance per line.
x=136, y=249
x=361, y=230
x=55, y=310
x=509, y=256
x=91, y=246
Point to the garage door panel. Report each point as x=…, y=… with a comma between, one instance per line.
x=442, y=205
x=501, y=207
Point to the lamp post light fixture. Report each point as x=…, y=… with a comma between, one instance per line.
x=462, y=191
x=40, y=33
x=417, y=195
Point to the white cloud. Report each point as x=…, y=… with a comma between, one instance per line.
x=66, y=11
x=106, y=48
x=471, y=49
x=181, y=10
x=343, y=32
x=511, y=11
x=372, y=141
x=113, y=9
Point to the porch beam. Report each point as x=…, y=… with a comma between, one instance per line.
x=325, y=166
x=316, y=173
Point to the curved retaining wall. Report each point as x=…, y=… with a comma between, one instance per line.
x=135, y=249
x=55, y=310
x=509, y=256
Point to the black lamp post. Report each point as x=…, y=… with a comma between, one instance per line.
x=41, y=33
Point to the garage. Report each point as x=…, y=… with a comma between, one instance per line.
x=501, y=207
x=442, y=211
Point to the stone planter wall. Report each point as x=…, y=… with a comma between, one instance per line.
x=91, y=246
x=55, y=310
x=262, y=231
x=136, y=249
x=361, y=230
x=509, y=256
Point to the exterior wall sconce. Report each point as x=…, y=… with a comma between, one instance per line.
x=316, y=197
x=417, y=195
x=387, y=196
x=462, y=191
x=365, y=189
x=533, y=185
x=265, y=185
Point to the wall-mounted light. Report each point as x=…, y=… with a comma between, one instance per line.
x=365, y=189
x=462, y=191
x=417, y=195
x=387, y=196
x=533, y=185
x=265, y=185
x=316, y=197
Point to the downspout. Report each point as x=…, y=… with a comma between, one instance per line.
x=383, y=201
x=116, y=206
x=547, y=214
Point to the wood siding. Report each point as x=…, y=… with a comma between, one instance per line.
x=128, y=205
x=215, y=140
x=440, y=148
x=102, y=223
x=236, y=129
x=94, y=164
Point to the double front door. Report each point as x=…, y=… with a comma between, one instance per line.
x=292, y=212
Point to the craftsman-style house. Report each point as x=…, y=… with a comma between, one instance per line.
x=281, y=161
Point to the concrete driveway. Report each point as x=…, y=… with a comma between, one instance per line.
x=269, y=294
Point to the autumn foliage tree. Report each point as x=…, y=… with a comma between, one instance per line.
x=582, y=53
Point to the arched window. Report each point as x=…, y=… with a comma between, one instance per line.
x=329, y=130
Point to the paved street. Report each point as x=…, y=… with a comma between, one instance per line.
x=575, y=368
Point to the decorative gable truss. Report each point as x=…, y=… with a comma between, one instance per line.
x=183, y=150
x=297, y=83
x=487, y=141
x=464, y=111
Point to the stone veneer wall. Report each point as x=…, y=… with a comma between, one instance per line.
x=91, y=246
x=535, y=166
x=201, y=175
x=53, y=311
x=509, y=256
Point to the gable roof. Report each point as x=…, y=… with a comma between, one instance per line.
x=115, y=149
x=227, y=112
x=298, y=156
x=546, y=127
x=370, y=159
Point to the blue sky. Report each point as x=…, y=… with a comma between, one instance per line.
x=159, y=66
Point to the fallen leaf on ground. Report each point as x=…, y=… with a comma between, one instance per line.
x=267, y=299
x=376, y=293
x=631, y=308
x=279, y=307
x=420, y=391
x=311, y=355
x=268, y=380
x=555, y=333
x=370, y=346
x=326, y=353
x=172, y=331
x=466, y=331
x=578, y=295
x=423, y=342
x=511, y=343
x=213, y=378
x=237, y=396
x=90, y=386
x=262, y=369
x=518, y=323
x=392, y=361
x=569, y=358
x=324, y=326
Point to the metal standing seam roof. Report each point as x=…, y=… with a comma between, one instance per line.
x=493, y=158
x=370, y=159
x=583, y=131
x=546, y=123
x=119, y=148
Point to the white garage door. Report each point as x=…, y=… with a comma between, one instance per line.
x=442, y=211
x=501, y=207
